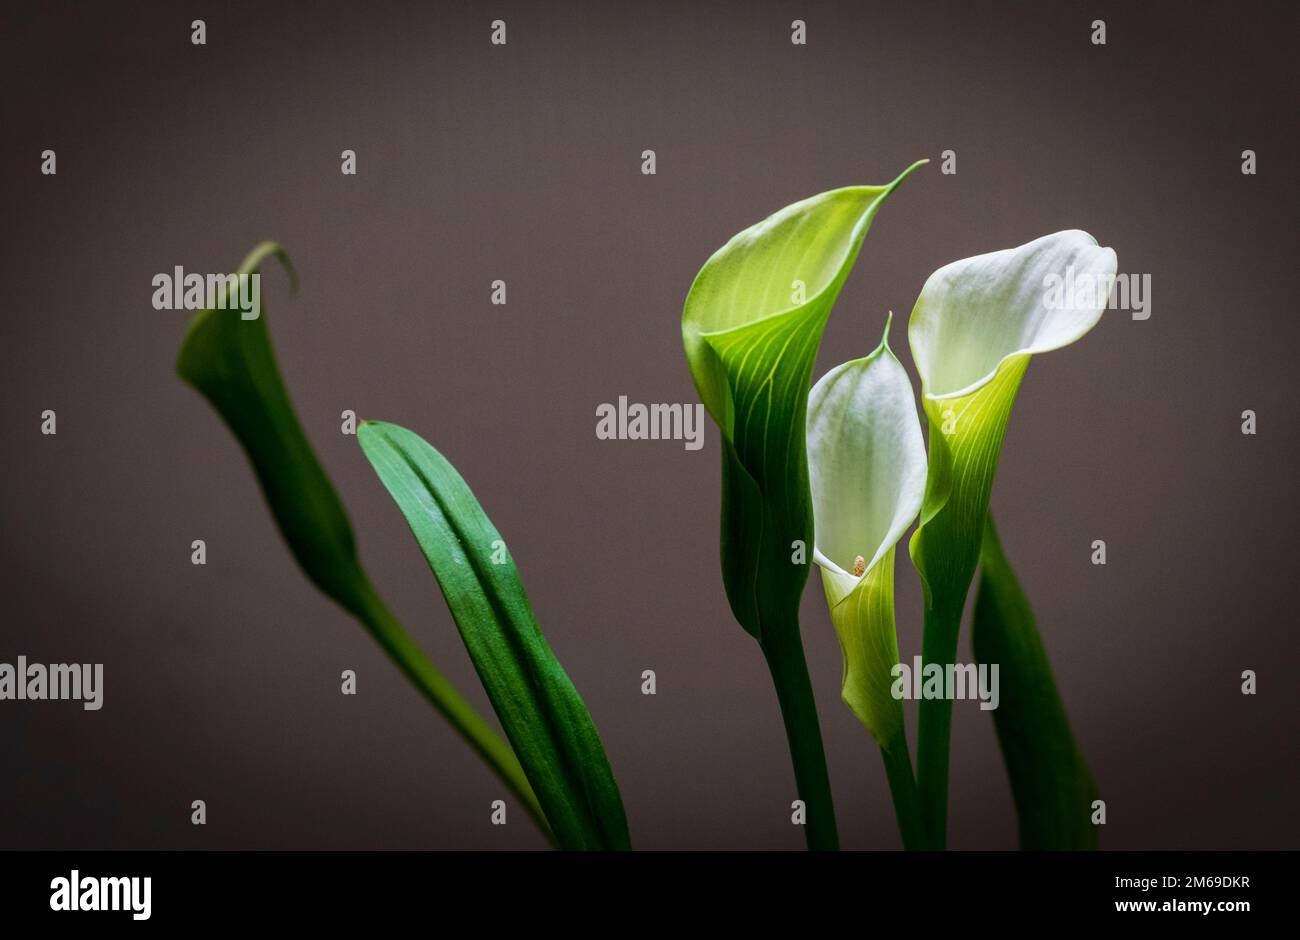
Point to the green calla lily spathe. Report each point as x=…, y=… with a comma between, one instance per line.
x=751, y=327
x=973, y=330
x=867, y=470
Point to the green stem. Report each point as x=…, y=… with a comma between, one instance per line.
x=907, y=799
x=467, y=722
x=934, y=730
x=785, y=660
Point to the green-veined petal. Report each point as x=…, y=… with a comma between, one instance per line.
x=752, y=324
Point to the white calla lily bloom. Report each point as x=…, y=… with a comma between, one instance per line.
x=973, y=331
x=976, y=313
x=866, y=465
x=867, y=471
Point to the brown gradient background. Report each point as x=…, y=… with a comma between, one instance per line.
x=523, y=163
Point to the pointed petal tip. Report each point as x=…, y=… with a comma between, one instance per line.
x=271, y=249
x=906, y=173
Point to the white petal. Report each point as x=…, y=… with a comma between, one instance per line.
x=974, y=313
x=866, y=463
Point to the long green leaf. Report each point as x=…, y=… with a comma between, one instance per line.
x=230, y=362
x=540, y=709
x=1050, y=782
x=751, y=325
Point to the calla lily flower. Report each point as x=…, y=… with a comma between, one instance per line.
x=866, y=468
x=973, y=330
x=867, y=471
x=980, y=315
x=751, y=325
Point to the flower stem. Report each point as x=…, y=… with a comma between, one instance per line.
x=934, y=729
x=783, y=650
x=907, y=799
